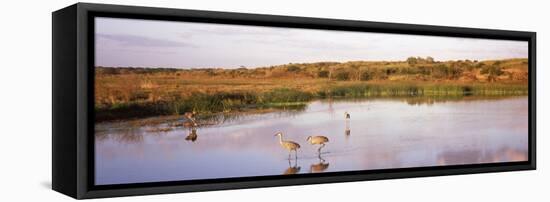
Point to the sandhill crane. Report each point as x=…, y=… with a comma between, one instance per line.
x=320, y=140
x=190, y=122
x=288, y=145
x=347, y=115
x=190, y=115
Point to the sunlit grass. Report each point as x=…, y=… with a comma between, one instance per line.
x=135, y=93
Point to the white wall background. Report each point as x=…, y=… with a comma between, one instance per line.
x=25, y=102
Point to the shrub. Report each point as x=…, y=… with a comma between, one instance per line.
x=342, y=76
x=454, y=72
x=441, y=71
x=412, y=61
x=424, y=70
x=430, y=59
x=323, y=74
x=492, y=70
x=365, y=76
x=390, y=70
x=293, y=68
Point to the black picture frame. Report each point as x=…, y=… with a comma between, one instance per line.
x=73, y=112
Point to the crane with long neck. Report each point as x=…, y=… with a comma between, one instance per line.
x=288, y=145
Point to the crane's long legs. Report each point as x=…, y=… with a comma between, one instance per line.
x=295, y=154
x=319, y=149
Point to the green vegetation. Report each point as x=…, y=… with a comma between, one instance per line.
x=122, y=93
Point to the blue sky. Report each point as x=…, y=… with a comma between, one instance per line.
x=153, y=43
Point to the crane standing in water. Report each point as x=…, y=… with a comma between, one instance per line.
x=190, y=122
x=320, y=140
x=347, y=116
x=288, y=145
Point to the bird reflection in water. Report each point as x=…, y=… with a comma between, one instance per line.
x=319, y=167
x=347, y=131
x=292, y=169
x=192, y=136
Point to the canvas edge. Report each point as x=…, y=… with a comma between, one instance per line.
x=82, y=144
x=64, y=145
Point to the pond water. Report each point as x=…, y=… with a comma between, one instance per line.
x=381, y=133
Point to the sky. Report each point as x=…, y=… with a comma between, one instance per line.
x=153, y=43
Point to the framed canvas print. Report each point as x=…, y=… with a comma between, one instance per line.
x=154, y=100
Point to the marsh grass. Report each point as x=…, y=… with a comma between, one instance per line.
x=422, y=89
x=125, y=93
x=292, y=99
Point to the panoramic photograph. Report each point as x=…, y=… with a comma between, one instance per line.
x=177, y=101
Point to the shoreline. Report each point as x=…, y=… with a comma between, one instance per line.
x=412, y=100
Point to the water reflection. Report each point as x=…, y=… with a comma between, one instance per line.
x=292, y=169
x=464, y=157
x=347, y=130
x=130, y=137
x=320, y=166
x=192, y=136
x=418, y=100
x=388, y=133
x=126, y=136
x=212, y=120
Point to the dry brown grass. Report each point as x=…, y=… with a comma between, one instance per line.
x=117, y=89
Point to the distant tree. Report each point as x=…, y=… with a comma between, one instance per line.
x=390, y=70
x=357, y=71
x=425, y=70
x=412, y=61
x=210, y=72
x=440, y=71
x=323, y=74
x=365, y=76
x=342, y=76
x=107, y=70
x=430, y=59
x=493, y=70
x=330, y=72
x=479, y=65
x=454, y=72
x=293, y=68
